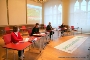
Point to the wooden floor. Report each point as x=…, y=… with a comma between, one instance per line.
x=50, y=53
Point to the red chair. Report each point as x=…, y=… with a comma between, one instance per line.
x=29, y=32
x=23, y=28
x=59, y=26
x=7, y=38
x=45, y=26
x=7, y=30
x=74, y=29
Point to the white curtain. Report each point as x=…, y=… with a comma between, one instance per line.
x=53, y=13
x=80, y=14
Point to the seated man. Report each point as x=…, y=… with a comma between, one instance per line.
x=49, y=29
x=62, y=29
x=35, y=30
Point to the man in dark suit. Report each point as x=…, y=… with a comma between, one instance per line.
x=62, y=29
x=35, y=30
x=49, y=29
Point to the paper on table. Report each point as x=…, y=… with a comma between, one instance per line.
x=42, y=33
x=65, y=28
x=35, y=39
x=36, y=34
x=26, y=39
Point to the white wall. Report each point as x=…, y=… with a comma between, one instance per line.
x=3, y=13
x=17, y=12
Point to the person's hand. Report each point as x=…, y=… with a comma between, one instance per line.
x=21, y=41
x=24, y=38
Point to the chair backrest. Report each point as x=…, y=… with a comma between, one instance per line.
x=7, y=38
x=29, y=31
x=45, y=26
x=72, y=27
x=59, y=26
x=24, y=27
x=7, y=30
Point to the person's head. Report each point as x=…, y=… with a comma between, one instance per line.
x=62, y=23
x=49, y=23
x=15, y=29
x=37, y=25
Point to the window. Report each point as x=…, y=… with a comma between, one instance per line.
x=89, y=6
x=76, y=6
x=53, y=13
x=80, y=14
x=83, y=5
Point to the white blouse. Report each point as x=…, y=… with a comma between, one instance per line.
x=16, y=33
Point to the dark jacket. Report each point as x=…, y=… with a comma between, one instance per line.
x=49, y=27
x=35, y=31
x=62, y=26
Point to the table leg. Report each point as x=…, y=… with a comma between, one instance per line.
x=52, y=35
x=58, y=33
x=6, y=54
x=47, y=39
x=43, y=42
x=40, y=45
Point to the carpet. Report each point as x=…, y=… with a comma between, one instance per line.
x=72, y=44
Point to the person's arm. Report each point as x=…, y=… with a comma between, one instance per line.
x=20, y=37
x=16, y=38
x=51, y=27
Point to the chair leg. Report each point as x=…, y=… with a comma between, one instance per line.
x=6, y=54
x=29, y=47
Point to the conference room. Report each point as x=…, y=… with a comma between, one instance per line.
x=44, y=29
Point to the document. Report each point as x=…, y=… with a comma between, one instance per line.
x=25, y=39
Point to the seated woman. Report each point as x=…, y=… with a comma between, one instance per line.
x=35, y=30
x=16, y=37
x=49, y=29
